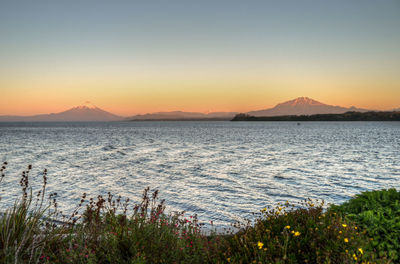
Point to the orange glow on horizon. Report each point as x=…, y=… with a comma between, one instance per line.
x=126, y=96
x=127, y=106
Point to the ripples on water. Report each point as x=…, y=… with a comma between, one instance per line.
x=219, y=170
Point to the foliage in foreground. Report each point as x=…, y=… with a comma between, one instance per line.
x=288, y=234
x=377, y=212
x=111, y=230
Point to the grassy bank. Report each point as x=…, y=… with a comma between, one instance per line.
x=112, y=230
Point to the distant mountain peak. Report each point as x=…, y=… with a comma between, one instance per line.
x=303, y=106
x=86, y=105
x=301, y=101
x=86, y=112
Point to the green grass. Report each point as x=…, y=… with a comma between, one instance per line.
x=108, y=230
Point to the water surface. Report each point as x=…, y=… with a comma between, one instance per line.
x=220, y=170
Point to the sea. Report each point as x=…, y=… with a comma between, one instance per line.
x=222, y=171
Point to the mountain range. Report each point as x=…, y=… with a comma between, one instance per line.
x=89, y=112
x=85, y=112
x=304, y=106
x=179, y=115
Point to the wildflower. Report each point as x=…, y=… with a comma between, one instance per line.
x=228, y=259
x=344, y=225
x=354, y=257
x=292, y=232
x=288, y=227
x=265, y=249
x=361, y=251
x=340, y=232
x=355, y=228
x=297, y=233
x=346, y=240
x=260, y=245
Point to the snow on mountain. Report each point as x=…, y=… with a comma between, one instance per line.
x=86, y=105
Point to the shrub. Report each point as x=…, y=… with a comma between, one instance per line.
x=289, y=234
x=377, y=212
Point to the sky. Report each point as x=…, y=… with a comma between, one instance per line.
x=131, y=57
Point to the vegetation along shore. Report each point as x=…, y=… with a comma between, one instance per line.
x=348, y=116
x=110, y=229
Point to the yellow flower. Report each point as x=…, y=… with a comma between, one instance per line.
x=297, y=233
x=287, y=227
x=260, y=244
x=346, y=240
x=354, y=257
x=344, y=225
x=292, y=232
x=355, y=228
x=340, y=232
x=361, y=251
x=228, y=259
x=265, y=249
x=346, y=251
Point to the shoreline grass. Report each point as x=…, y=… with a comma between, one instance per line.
x=366, y=229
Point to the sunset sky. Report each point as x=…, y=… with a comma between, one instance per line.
x=131, y=57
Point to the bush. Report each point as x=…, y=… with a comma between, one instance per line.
x=377, y=212
x=286, y=234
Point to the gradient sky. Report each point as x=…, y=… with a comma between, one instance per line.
x=132, y=57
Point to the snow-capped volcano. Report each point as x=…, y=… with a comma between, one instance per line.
x=86, y=105
x=303, y=106
x=301, y=101
x=84, y=112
